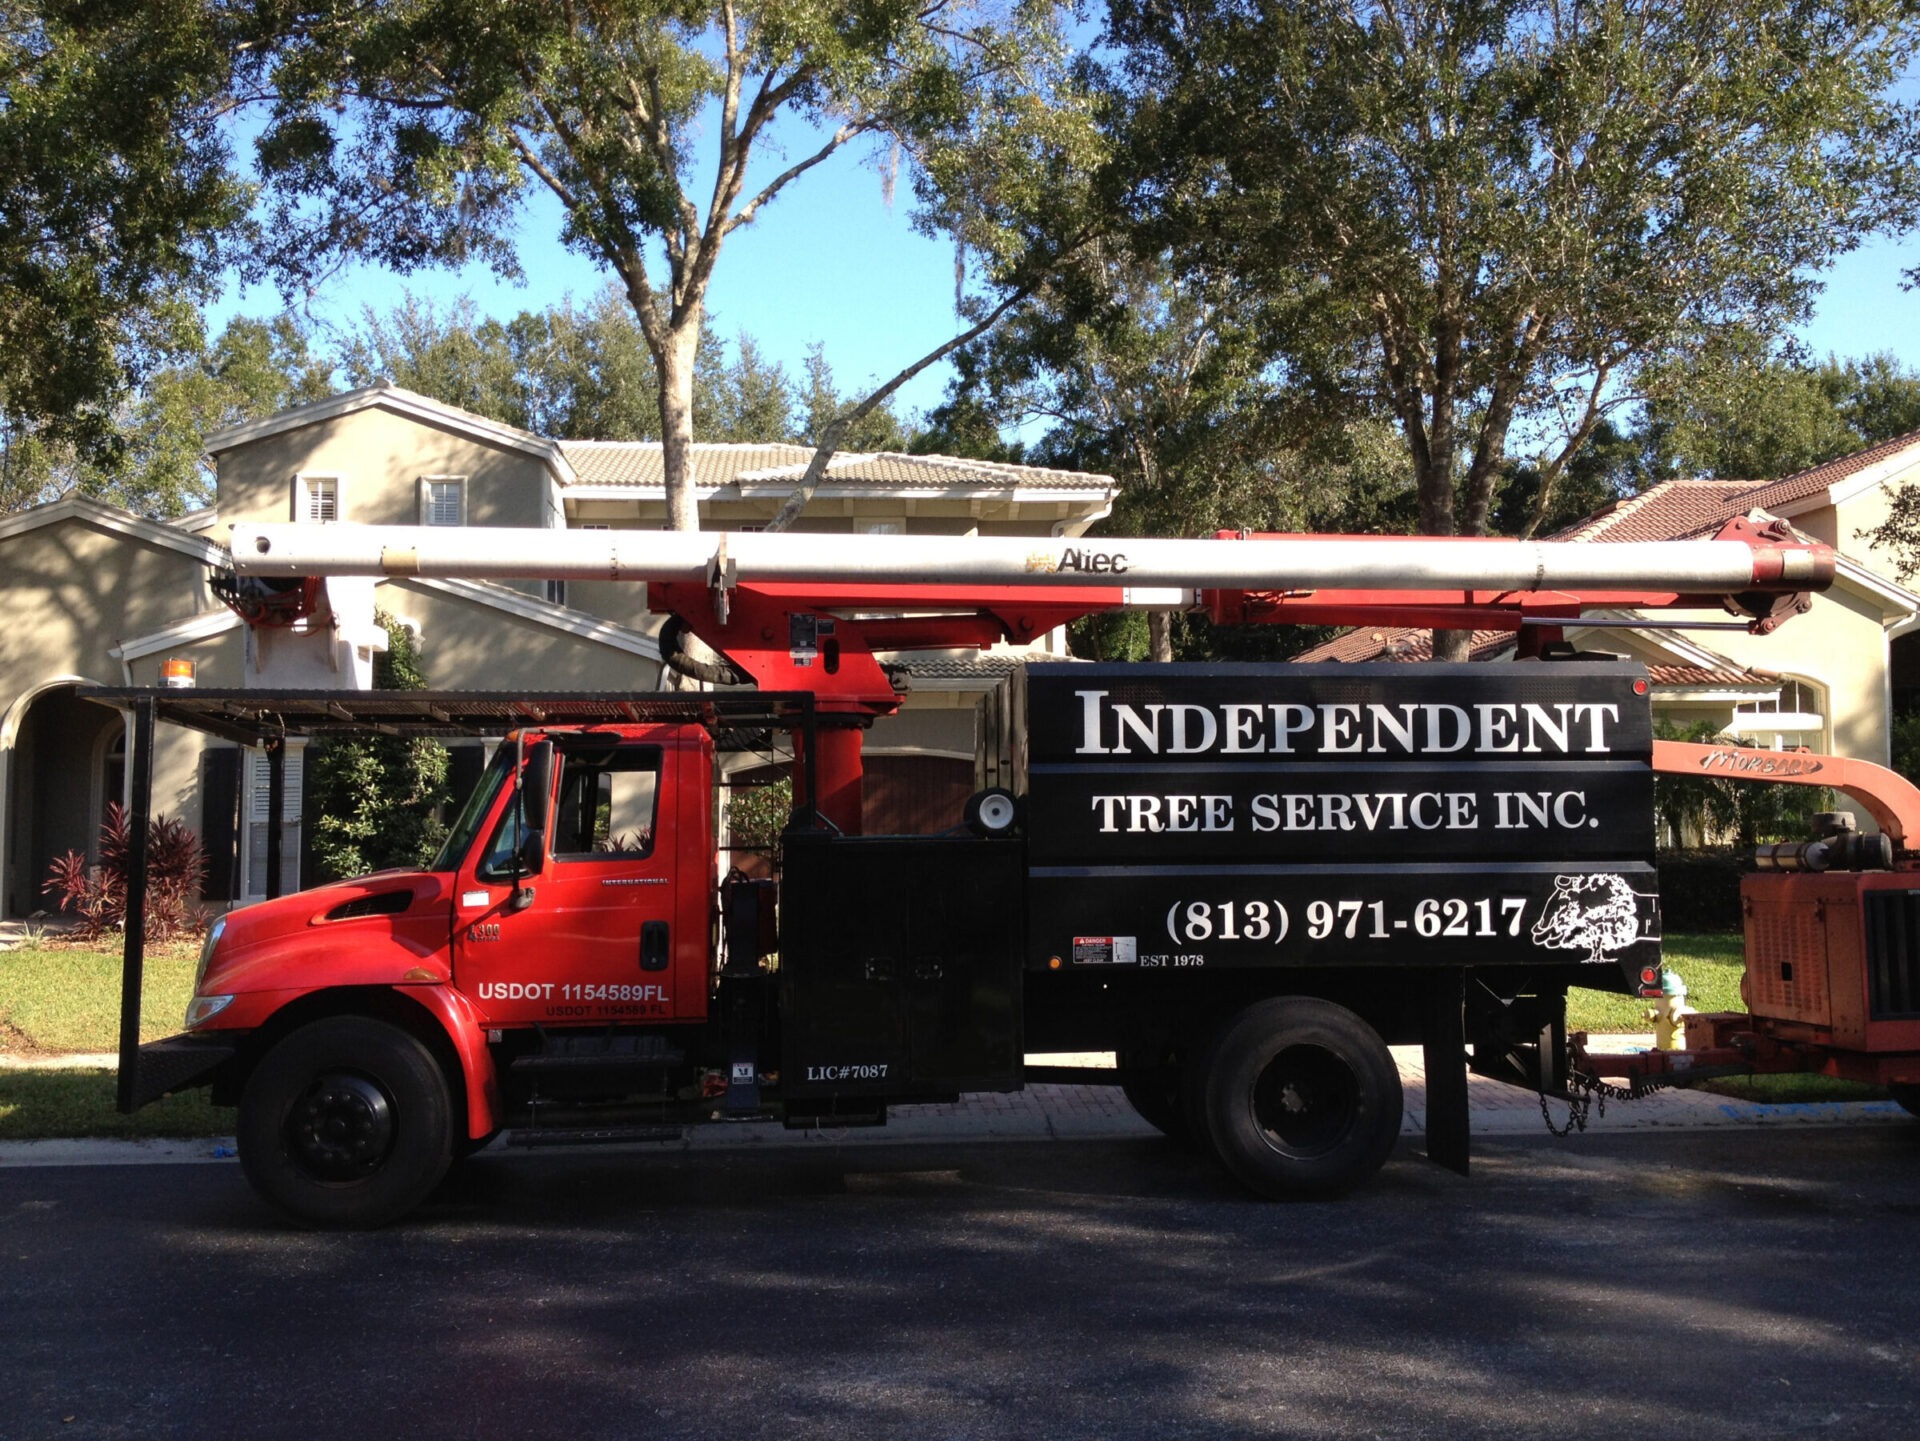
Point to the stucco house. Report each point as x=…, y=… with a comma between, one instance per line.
x=1830, y=679
x=91, y=594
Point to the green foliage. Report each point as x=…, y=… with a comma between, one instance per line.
x=407, y=132
x=1904, y=743
x=376, y=801
x=1497, y=220
x=114, y=194
x=157, y=465
x=752, y=402
x=1716, y=809
x=1745, y=412
x=756, y=815
x=820, y=403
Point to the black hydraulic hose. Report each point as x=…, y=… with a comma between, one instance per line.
x=673, y=653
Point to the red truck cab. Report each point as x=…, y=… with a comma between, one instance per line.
x=576, y=889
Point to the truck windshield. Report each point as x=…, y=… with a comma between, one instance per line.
x=467, y=825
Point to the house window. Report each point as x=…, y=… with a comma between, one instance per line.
x=863, y=526
x=443, y=500
x=555, y=591
x=316, y=498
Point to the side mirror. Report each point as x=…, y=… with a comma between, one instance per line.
x=535, y=799
x=537, y=793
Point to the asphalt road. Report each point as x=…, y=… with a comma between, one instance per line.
x=1705, y=1284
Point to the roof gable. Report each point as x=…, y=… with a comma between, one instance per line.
x=398, y=401
x=97, y=515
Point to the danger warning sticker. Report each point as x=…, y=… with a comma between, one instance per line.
x=1106, y=951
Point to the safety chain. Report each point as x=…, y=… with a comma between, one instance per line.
x=1582, y=1091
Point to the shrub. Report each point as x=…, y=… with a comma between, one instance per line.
x=376, y=800
x=97, y=894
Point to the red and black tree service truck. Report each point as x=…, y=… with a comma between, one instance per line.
x=1245, y=880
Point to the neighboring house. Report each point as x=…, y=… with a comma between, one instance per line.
x=1829, y=679
x=92, y=595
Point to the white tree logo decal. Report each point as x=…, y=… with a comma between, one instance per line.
x=1597, y=914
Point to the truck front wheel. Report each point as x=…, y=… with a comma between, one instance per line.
x=346, y=1123
x=1302, y=1098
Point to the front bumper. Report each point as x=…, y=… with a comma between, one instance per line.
x=175, y=1064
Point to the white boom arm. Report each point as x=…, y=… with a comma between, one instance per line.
x=1275, y=563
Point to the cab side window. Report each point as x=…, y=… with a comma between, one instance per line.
x=606, y=803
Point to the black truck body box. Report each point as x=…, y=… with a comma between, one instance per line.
x=1212, y=816
x=900, y=965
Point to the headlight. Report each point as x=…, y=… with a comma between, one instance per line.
x=206, y=950
x=202, y=1009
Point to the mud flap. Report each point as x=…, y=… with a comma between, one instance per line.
x=1443, y=1041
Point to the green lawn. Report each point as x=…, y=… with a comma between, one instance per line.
x=58, y=998
x=1710, y=965
x=38, y=1104
x=63, y=998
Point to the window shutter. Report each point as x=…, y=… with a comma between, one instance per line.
x=260, y=787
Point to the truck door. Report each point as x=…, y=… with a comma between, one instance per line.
x=589, y=939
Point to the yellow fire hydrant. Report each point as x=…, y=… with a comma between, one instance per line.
x=1669, y=1013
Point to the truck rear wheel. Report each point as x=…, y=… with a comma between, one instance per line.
x=1302, y=1098
x=346, y=1123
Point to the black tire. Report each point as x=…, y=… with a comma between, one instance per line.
x=1151, y=1084
x=1302, y=1098
x=346, y=1123
x=1907, y=1095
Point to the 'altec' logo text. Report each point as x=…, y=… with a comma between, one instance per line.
x=1082, y=562
x=1346, y=728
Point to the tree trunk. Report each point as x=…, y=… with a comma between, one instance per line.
x=1160, y=635
x=676, y=361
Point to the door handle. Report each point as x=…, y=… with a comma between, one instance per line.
x=653, y=946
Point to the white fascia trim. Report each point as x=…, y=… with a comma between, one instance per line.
x=196, y=628
x=1899, y=600
x=1880, y=473
x=197, y=522
x=851, y=490
x=1709, y=695
x=561, y=618
x=118, y=522
x=1683, y=651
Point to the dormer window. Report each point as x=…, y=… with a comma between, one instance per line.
x=443, y=500
x=316, y=498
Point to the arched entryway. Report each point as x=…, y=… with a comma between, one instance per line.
x=66, y=761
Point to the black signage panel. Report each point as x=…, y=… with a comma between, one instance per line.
x=1133, y=918
x=1362, y=715
x=1323, y=811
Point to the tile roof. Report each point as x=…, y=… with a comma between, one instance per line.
x=1700, y=675
x=638, y=463
x=1670, y=510
x=1810, y=482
